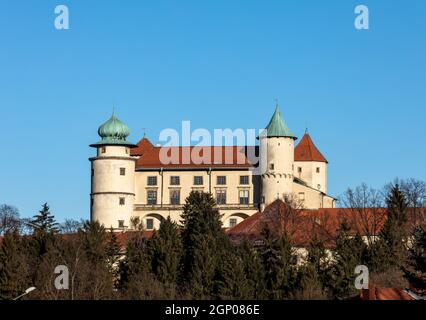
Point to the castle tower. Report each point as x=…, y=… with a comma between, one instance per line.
x=310, y=165
x=113, y=176
x=277, y=142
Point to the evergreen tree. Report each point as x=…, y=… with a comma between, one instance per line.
x=44, y=230
x=135, y=262
x=15, y=275
x=113, y=253
x=253, y=269
x=314, y=274
x=393, y=234
x=349, y=253
x=205, y=243
x=232, y=282
x=417, y=259
x=165, y=252
x=94, y=240
x=278, y=263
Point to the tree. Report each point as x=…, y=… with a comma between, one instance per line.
x=70, y=226
x=135, y=261
x=349, y=252
x=364, y=209
x=205, y=244
x=417, y=259
x=15, y=274
x=232, y=282
x=415, y=194
x=253, y=269
x=9, y=219
x=393, y=234
x=279, y=264
x=165, y=252
x=314, y=274
x=113, y=253
x=44, y=229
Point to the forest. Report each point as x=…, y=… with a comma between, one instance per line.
x=196, y=259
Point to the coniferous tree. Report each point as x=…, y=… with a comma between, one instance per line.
x=113, y=253
x=205, y=244
x=314, y=274
x=44, y=229
x=135, y=261
x=232, y=282
x=417, y=259
x=349, y=253
x=165, y=252
x=15, y=274
x=279, y=264
x=94, y=239
x=253, y=269
x=393, y=234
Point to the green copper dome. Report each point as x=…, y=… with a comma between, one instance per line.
x=113, y=132
x=277, y=126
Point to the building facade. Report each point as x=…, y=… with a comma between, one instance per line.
x=151, y=182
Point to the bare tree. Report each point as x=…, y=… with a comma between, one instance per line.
x=9, y=219
x=70, y=226
x=364, y=210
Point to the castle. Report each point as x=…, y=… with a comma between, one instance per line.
x=133, y=180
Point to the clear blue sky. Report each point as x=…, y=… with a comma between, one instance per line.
x=217, y=63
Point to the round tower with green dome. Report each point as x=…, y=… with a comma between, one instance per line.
x=277, y=143
x=113, y=176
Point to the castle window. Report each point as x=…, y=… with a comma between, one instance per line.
x=271, y=166
x=151, y=197
x=174, y=197
x=318, y=169
x=198, y=180
x=175, y=180
x=122, y=171
x=299, y=169
x=103, y=150
x=150, y=223
x=244, y=197
x=301, y=196
x=244, y=179
x=221, y=196
x=121, y=224
x=232, y=222
x=152, y=181
x=319, y=187
x=221, y=180
x=122, y=201
x=127, y=150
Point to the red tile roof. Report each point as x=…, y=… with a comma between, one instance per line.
x=143, y=146
x=307, y=151
x=376, y=293
x=151, y=156
x=195, y=157
x=301, y=225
